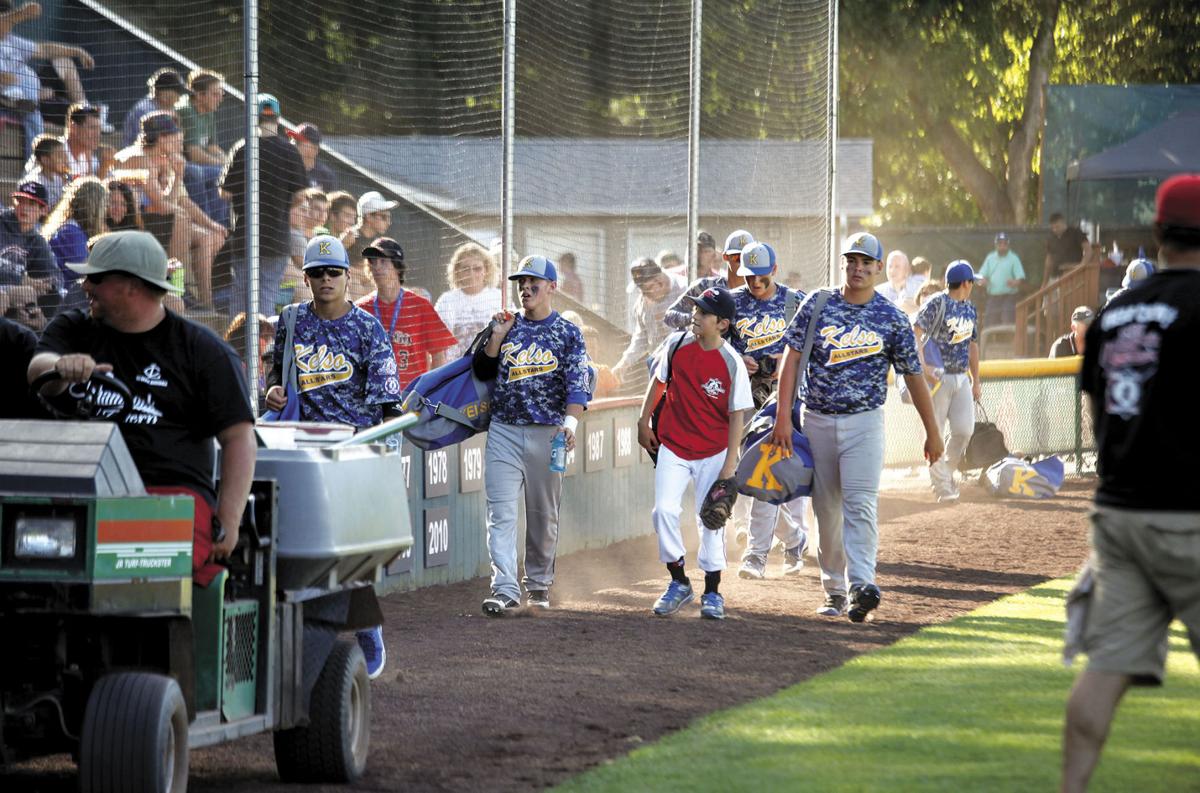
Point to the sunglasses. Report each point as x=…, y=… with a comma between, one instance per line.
x=98, y=278
x=324, y=272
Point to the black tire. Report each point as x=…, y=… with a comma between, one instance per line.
x=333, y=747
x=135, y=736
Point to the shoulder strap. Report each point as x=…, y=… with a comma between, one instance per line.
x=791, y=304
x=818, y=300
x=288, y=373
x=671, y=355
x=941, y=314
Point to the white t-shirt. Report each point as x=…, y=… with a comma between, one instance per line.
x=465, y=315
x=15, y=54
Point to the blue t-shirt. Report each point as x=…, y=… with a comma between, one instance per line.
x=759, y=325
x=853, y=348
x=959, y=328
x=346, y=368
x=543, y=368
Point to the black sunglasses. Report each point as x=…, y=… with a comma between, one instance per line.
x=322, y=272
x=98, y=278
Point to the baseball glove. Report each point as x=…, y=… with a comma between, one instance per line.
x=718, y=504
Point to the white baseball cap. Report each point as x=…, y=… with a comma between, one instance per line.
x=373, y=201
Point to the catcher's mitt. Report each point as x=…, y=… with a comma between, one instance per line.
x=718, y=504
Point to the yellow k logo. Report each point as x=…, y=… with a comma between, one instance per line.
x=752, y=259
x=323, y=248
x=761, y=477
x=1020, y=479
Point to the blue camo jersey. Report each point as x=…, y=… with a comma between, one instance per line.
x=759, y=325
x=543, y=368
x=959, y=328
x=679, y=315
x=853, y=348
x=346, y=368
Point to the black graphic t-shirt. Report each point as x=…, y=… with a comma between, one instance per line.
x=188, y=386
x=1139, y=367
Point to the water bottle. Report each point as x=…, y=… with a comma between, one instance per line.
x=558, y=453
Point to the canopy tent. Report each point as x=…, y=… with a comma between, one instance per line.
x=1170, y=148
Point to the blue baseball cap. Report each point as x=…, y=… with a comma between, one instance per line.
x=535, y=267
x=1138, y=270
x=863, y=243
x=715, y=300
x=959, y=271
x=758, y=258
x=268, y=105
x=1002, y=237
x=325, y=250
x=736, y=241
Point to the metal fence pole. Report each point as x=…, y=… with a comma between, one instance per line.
x=693, y=211
x=250, y=219
x=508, y=134
x=831, y=199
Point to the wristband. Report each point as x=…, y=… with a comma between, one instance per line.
x=570, y=423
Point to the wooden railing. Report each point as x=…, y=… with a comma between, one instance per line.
x=1046, y=314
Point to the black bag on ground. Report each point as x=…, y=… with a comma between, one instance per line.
x=986, y=446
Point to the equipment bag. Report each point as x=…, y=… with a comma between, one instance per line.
x=1017, y=478
x=763, y=472
x=986, y=445
x=289, y=373
x=453, y=403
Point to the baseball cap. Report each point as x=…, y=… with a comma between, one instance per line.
x=758, y=258
x=136, y=253
x=1178, y=202
x=268, y=105
x=705, y=240
x=1082, y=314
x=715, y=300
x=959, y=271
x=384, y=248
x=1002, y=237
x=1138, y=270
x=34, y=191
x=535, y=267
x=306, y=131
x=863, y=243
x=373, y=201
x=168, y=80
x=736, y=241
x=644, y=270
x=325, y=250
x=158, y=123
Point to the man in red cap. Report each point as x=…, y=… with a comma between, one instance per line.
x=1139, y=370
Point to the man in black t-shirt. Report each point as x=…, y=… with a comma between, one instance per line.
x=1073, y=341
x=281, y=176
x=1065, y=248
x=1139, y=368
x=187, y=385
x=17, y=343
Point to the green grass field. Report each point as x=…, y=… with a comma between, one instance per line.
x=972, y=705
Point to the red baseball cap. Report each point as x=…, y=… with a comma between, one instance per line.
x=1178, y=202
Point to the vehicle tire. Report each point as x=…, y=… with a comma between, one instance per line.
x=333, y=747
x=135, y=736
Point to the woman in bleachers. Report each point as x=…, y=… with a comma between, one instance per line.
x=79, y=216
x=473, y=297
x=123, y=212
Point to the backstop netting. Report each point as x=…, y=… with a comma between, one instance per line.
x=401, y=103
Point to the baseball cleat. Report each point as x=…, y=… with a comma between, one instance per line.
x=753, y=567
x=834, y=606
x=864, y=598
x=373, y=649
x=538, y=598
x=793, y=558
x=712, y=606
x=497, y=604
x=948, y=498
x=676, y=597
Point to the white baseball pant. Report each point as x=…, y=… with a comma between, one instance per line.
x=671, y=479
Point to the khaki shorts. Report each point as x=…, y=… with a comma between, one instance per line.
x=1147, y=568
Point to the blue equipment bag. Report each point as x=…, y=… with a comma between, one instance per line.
x=763, y=472
x=453, y=403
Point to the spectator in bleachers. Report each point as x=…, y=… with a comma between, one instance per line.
x=51, y=168
x=921, y=269
x=318, y=211
x=1071, y=342
x=197, y=114
x=181, y=227
x=658, y=290
x=708, y=261
x=671, y=262
x=1002, y=276
x=307, y=139
x=77, y=218
x=123, y=211
x=235, y=336
x=1065, y=249
x=898, y=288
x=166, y=87
x=569, y=282
x=374, y=220
x=23, y=90
x=341, y=219
x=292, y=288
x=473, y=297
x=20, y=304
x=281, y=176
x=25, y=258
x=419, y=337
x=85, y=154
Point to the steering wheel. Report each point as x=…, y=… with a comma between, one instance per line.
x=102, y=396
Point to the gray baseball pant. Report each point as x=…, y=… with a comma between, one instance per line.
x=847, y=462
x=765, y=520
x=952, y=401
x=516, y=459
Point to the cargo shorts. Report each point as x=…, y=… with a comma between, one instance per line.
x=1147, y=573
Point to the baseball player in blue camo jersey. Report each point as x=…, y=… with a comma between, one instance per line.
x=540, y=366
x=764, y=309
x=679, y=315
x=345, y=367
x=859, y=336
x=949, y=319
